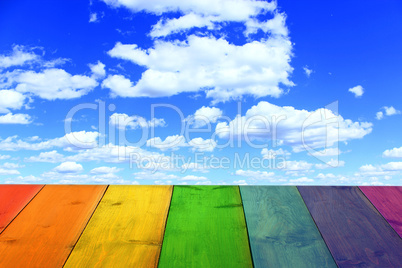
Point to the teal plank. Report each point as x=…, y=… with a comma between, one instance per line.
x=281, y=230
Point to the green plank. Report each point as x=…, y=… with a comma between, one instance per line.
x=282, y=232
x=206, y=228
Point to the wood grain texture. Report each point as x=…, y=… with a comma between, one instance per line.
x=206, y=228
x=13, y=198
x=281, y=230
x=388, y=201
x=126, y=229
x=354, y=231
x=45, y=232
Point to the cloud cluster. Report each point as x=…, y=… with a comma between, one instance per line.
x=206, y=61
x=300, y=129
x=387, y=111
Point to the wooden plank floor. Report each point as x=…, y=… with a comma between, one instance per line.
x=206, y=228
x=388, y=201
x=281, y=230
x=13, y=198
x=355, y=232
x=45, y=232
x=126, y=229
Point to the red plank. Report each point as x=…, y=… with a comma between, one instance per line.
x=388, y=201
x=13, y=198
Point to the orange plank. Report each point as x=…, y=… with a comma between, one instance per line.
x=45, y=232
x=13, y=198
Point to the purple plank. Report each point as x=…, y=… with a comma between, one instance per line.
x=354, y=231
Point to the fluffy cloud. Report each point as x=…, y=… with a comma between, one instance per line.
x=123, y=121
x=203, y=61
x=331, y=164
x=385, y=170
x=204, y=116
x=193, y=178
x=19, y=56
x=10, y=118
x=225, y=10
x=388, y=111
x=271, y=153
x=301, y=180
x=159, y=176
x=105, y=170
x=395, y=152
x=307, y=71
x=226, y=71
x=357, y=90
x=257, y=175
x=52, y=84
x=10, y=99
x=70, y=141
x=98, y=70
x=301, y=129
x=68, y=167
x=48, y=157
x=175, y=142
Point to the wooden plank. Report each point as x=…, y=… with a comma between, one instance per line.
x=388, y=201
x=206, y=228
x=13, y=198
x=126, y=229
x=281, y=230
x=45, y=232
x=355, y=232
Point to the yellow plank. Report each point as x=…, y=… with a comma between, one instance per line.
x=126, y=229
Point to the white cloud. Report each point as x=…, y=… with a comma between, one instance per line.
x=225, y=10
x=69, y=167
x=388, y=111
x=18, y=57
x=204, y=116
x=307, y=71
x=326, y=152
x=293, y=165
x=105, y=170
x=123, y=121
x=158, y=176
x=331, y=164
x=98, y=70
x=54, y=83
x=272, y=154
x=93, y=17
x=395, y=152
x=10, y=118
x=325, y=176
x=357, y=90
x=3, y=157
x=258, y=175
x=175, y=142
x=385, y=171
x=299, y=129
x=10, y=99
x=192, y=178
x=391, y=111
x=48, y=157
x=379, y=115
x=392, y=166
x=240, y=182
x=70, y=141
x=226, y=70
x=9, y=171
x=301, y=180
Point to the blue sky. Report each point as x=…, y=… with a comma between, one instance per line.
x=243, y=92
